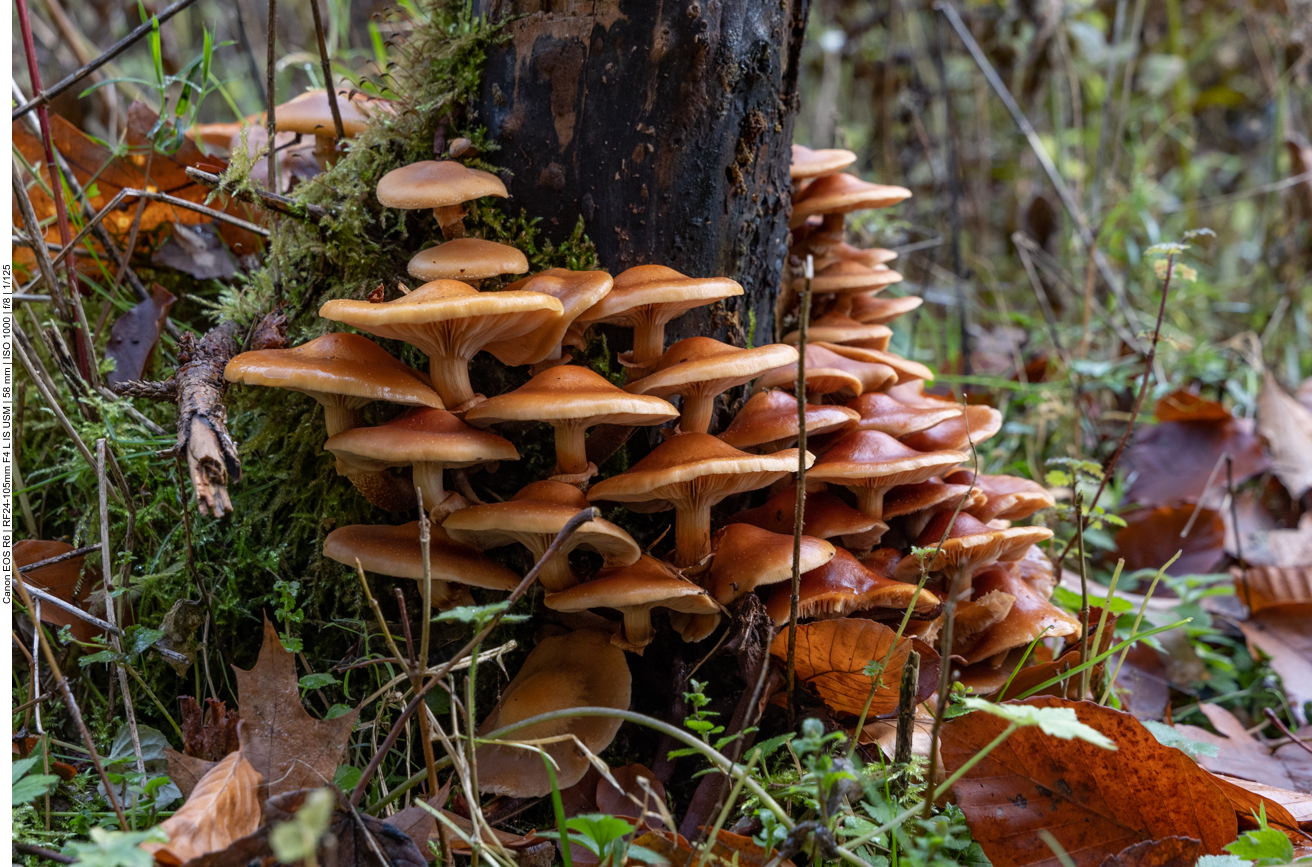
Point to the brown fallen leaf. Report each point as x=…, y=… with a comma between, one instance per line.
x=1282, y=633
x=1248, y=803
x=831, y=654
x=133, y=337
x=1286, y=425
x=728, y=850
x=1238, y=753
x=290, y=749
x=1262, y=587
x=64, y=580
x=209, y=734
x=633, y=799
x=1167, y=852
x=186, y=771
x=1187, y=406
x=1297, y=804
x=198, y=251
x=1094, y=802
x=221, y=809
x=1150, y=538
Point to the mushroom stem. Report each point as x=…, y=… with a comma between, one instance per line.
x=637, y=629
x=325, y=150
x=450, y=377
x=338, y=417
x=648, y=342
x=571, y=450
x=692, y=533
x=451, y=220
x=382, y=489
x=697, y=412
x=428, y=480
x=555, y=574
x=870, y=501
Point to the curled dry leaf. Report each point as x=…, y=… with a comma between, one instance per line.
x=1268, y=586
x=1281, y=632
x=221, y=809
x=1286, y=425
x=133, y=337
x=1094, y=802
x=210, y=734
x=1152, y=537
x=1248, y=803
x=1167, y=852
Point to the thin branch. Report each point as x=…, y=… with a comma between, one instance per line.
x=171, y=655
x=327, y=74
x=799, y=506
x=59, y=558
x=269, y=69
x=213, y=214
x=264, y=198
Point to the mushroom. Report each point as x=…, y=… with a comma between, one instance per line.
x=869, y=463
x=581, y=669
x=833, y=196
x=577, y=291
x=880, y=412
x=572, y=399
x=969, y=544
x=976, y=424
x=1029, y=616
x=747, y=557
x=532, y=518
x=395, y=551
x=808, y=164
x=830, y=373
x=700, y=369
x=470, y=260
x=429, y=440
x=1007, y=498
x=768, y=421
x=904, y=369
x=845, y=252
x=450, y=322
x=842, y=586
x=646, y=297
x=634, y=591
x=444, y=186
x=310, y=114
x=692, y=472
x=921, y=501
x=824, y=515
x=883, y=309
x=846, y=280
x=835, y=327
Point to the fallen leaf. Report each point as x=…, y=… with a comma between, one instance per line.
x=221, y=809
x=1170, y=462
x=1268, y=586
x=1248, y=803
x=186, y=771
x=633, y=799
x=1238, y=754
x=1282, y=633
x=134, y=335
x=1094, y=802
x=1292, y=547
x=198, y=251
x=728, y=850
x=1286, y=425
x=831, y=654
x=1150, y=538
x=1187, y=406
x=1143, y=683
x=1298, y=804
x=291, y=749
x=1167, y=852
x=64, y=580
x=210, y=734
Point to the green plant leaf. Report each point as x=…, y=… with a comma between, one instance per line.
x=1059, y=722
x=116, y=848
x=1169, y=736
x=317, y=681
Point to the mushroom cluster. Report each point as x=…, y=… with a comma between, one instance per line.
x=885, y=458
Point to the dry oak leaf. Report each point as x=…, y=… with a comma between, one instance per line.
x=64, y=580
x=291, y=749
x=1238, y=753
x=1094, y=802
x=830, y=658
x=1167, y=852
x=223, y=807
x=1282, y=632
x=1262, y=587
x=1286, y=425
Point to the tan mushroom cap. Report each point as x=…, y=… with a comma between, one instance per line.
x=1007, y=498
x=701, y=368
x=880, y=412
x=427, y=439
x=646, y=297
x=870, y=463
x=976, y=424
x=842, y=194
x=747, y=557
x=1036, y=570
x=824, y=515
x=976, y=616
x=692, y=472
x=932, y=494
x=577, y=291
x=842, y=586
x=572, y=399
x=835, y=327
x=849, y=276
x=343, y=372
x=883, y=309
x=808, y=163
x=845, y=252
x=1029, y=615
x=468, y=260
x=581, y=669
x=905, y=369
x=830, y=372
x=310, y=114
x=768, y=421
x=437, y=184
x=450, y=322
x=969, y=544
x=634, y=591
x=532, y=518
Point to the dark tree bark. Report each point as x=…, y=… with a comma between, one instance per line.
x=666, y=126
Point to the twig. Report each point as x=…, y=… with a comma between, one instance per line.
x=247, y=50
x=42, y=852
x=265, y=198
x=59, y=558
x=1084, y=591
x=327, y=74
x=1234, y=523
x=47, y=392
x=1273, y=187
x=1202, y=498
x=1100, y=160
x=44, y=96
x=1284, y=729
x=33, y=229
x=799, y=507
x=1045, y=303
x=270, y=69
x=50, y=598
x=906, y=720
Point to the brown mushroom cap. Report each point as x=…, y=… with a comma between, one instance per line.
x=343, y=372
x=450, y=322
x=824, y=515
x=692, y=472
x=1029, y=615
x=437, y=184
x=830, y=372
x=808, y=163
x=969, y=545
x=532, y=518
x=844, y=585
x=977, y=615
x=976, y=424
x=633, y=591
x=747, y=557
x=883, y=309
x=646, y=297
x=842, y=194
x=1036, y=570
x=870, y=463
x=849, y=276
x=309, y=114
x=768, y=421
x=701, y=368
x=835, y=327
x=930, y=494
x=468, y=260
x=845, y=252
x=572, y=399
x=582, y=669
x=577, y=290
x=904, y=368
x=1007, y=498
x=880, y=412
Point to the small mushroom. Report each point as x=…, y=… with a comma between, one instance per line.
x=572, y=399
x=748, y=557
x=808, y=164
x=846, y=281
x=904, y=369
x=532, y=518
x=882, y=413
x=1007, y=498
x=843, y=586
x=581, y=669
x=310, y=114
x=834, y=195
x=829, y=372
x=968, y=546
x=835, y=327
x=978, y=615
x=395, y=551
x=768, y=421
x=444, y=186
x=870, y=463
x=883, y=309
x=578, y=291
x=450, y=322
x=824, y=516
x=692, y=472
x=920, y=502
x=646, y=297
x=1029, y=615
x=469, y=260
x=429, y=440
x=975, y=425
x=701, y=368
x=634, y=591
x=845, y=252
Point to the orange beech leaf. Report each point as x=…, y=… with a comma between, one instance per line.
x=1248, y=803
x=1170, y=462
x=1239, y=754
x=222, y=808
x=1186, y=406
x=831, y=655
x=64, y=580
x=1262, y=587
x=1094, y=802
x=1167, y=852
x=728, y=850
